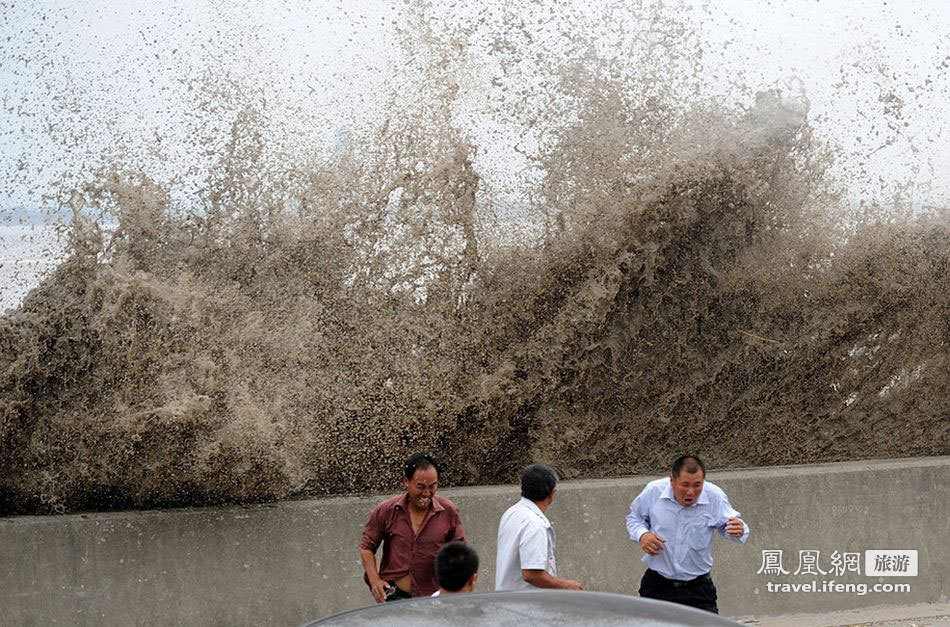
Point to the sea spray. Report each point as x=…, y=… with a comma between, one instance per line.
x=663, y=272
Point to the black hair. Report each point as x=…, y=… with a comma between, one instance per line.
x=421, y=461
x=690, y=463
x=455, y=563
x=537, y=482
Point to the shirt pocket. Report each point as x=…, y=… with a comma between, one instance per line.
x=427, y=544
x=699, y=533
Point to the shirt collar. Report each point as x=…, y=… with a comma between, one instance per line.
x=668, y=494
x=534, y=509
x=434, y=504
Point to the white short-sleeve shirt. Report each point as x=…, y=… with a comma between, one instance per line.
x=525, y=542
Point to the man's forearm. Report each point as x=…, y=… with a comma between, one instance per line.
x=369, y=564
x=543, y=579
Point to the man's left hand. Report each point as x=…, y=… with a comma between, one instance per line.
x=735, y=527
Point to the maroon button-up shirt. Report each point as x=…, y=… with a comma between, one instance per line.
x=405, y=552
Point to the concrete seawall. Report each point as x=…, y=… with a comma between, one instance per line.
x=288, y=563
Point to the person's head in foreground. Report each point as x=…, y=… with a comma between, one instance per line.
x=456, y=568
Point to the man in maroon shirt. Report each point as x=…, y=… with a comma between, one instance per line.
x=411, y=527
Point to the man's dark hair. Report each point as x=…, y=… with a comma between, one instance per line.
x=421, y=461
x=537, y=482
x=689, y=463
x=455, y=563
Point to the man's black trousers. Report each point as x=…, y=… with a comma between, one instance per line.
x=699, y=592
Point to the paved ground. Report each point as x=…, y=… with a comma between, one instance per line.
x=929, y=615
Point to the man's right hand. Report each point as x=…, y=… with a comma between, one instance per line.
x=378, y=588
x=570, y=584
x=651, y=543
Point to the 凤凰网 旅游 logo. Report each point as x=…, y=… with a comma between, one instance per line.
x=877, y=562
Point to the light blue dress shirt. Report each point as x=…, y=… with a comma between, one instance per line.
x=688, y=531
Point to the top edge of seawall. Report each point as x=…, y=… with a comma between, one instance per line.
x=568, y=485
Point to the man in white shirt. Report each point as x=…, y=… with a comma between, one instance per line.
x=525, y=558
x=673, y=520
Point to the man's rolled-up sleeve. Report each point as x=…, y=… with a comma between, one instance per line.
x=372, y=531
x=638, y=520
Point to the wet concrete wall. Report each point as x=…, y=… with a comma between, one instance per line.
x=289, y=563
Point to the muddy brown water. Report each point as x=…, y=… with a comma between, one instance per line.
x=676, y=275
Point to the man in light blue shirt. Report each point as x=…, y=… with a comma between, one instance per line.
x=673, y=520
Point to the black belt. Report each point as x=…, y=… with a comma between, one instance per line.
x=679, y=583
